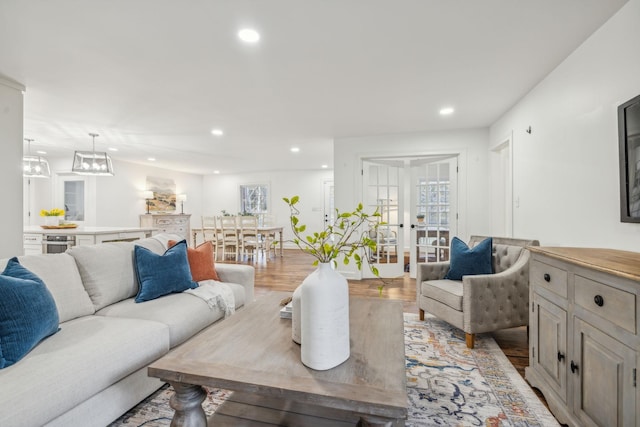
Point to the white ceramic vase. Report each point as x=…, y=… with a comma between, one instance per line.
x=324, y=315
x=296, y=334
x=52, y=220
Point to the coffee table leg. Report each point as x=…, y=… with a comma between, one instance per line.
x=187, y=403
x=371, y=421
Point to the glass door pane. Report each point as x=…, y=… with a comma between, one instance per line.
x=383, y=191
x=433, y=209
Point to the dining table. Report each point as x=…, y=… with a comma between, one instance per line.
x=264, y=229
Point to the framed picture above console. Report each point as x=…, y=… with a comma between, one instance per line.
x=629, y=140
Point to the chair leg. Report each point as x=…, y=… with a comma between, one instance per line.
x=471, y=340
x=421, y=314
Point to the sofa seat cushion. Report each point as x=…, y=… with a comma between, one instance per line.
x=185, y=314
x=446, y=291
x=86, y=356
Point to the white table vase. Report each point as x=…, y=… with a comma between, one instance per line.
x=52, y=221
x=324, y=315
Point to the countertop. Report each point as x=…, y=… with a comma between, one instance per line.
x=36, y=229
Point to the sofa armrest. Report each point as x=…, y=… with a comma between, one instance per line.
x=497, y=301
x=241, y=274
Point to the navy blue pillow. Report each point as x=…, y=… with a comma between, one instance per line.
x=28, y=312
x=467, y=261
x=160, y=275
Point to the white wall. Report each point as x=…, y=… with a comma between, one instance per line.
x=118, y=199
x=471, y=145
x=222, y=192
x=11, y=114
x=566, y=174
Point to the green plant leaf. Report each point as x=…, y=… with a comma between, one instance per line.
x=294, y=200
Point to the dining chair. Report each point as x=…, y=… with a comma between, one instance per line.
x=267, y=237
x=211, y=233
x=230, y=242
x=249, y=238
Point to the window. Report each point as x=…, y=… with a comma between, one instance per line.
x=254, y=199
x=74, y=200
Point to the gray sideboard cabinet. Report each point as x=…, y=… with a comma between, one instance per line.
x=168, y=223
x=584, y=342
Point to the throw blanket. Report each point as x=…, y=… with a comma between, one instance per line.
x=216, y=294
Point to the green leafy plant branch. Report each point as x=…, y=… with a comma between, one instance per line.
x=343, y=237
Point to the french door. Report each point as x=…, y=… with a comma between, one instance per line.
x=433, y=209
x=383, y=181
x=417, y=198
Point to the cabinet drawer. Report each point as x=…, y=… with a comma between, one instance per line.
x=613, y=304
x=549, y=277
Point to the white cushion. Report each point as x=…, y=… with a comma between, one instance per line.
x=86, y=356
x=183, y=313
x=60, y=274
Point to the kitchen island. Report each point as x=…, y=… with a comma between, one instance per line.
x=39, y=240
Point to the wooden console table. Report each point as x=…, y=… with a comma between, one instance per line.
x=584, y=343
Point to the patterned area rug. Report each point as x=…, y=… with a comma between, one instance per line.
x=447, y=385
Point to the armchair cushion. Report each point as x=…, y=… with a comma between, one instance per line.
x=448, y=292
x=466, y=261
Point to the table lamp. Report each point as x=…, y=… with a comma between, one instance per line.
x=181, y=198
x=148, y=196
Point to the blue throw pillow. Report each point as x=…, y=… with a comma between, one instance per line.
x=160, y=275
x=467, y=261
x=28, y=312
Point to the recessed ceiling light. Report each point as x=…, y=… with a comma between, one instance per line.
x=113, y=149
x=446, y=111
x=217, y=132
x=41, y=152
x=324, y=166
x=295, y=149
x=249, y=35
x=152, y=159
x=216, y=172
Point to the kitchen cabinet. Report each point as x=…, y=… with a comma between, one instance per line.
x=584, y=344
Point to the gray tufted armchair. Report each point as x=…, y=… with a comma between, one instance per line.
x=481, y=303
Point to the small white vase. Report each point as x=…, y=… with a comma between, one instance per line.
x=52, y=220
x=296, y=334
x=324, y=313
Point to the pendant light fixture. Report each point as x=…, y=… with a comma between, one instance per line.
x=94, y=162
x=34, y=166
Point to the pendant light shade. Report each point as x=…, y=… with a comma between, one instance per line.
x=97, y=163
x=34, y=166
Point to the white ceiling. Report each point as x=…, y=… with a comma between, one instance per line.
x=153, y=77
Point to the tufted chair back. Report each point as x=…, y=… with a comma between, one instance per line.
x=506, y=251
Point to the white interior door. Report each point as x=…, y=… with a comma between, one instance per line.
x=383, y=190
x=434, y=209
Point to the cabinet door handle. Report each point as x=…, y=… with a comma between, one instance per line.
x=598, y=300
x=560, y=357
x=547, y=277
x=574, y=367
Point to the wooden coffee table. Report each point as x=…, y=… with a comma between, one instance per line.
x=252, y=354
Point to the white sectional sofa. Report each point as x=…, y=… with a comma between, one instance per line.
x=94, y=368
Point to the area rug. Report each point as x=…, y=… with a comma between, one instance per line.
x=447, y=385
